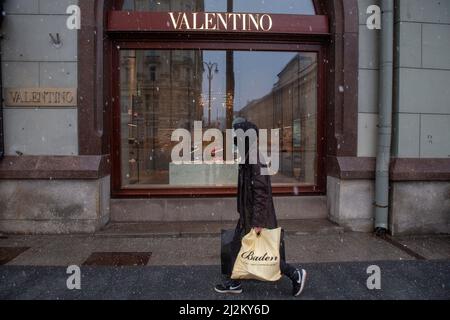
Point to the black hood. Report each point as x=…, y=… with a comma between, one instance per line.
x=244, y=126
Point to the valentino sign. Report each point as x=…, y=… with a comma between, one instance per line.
x=41, y=97
x=220, y=21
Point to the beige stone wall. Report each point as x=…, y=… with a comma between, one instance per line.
x=421, y=123
x=422, y=108
x=53, y=206
x=29, y=60
x=422, y=73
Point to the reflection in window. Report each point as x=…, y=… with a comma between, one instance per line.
x=164, y=90
x=254, y=6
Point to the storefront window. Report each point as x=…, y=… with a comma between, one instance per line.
x=305, y=7
x=165, y=90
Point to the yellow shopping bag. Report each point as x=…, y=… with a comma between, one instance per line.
x=259, y=257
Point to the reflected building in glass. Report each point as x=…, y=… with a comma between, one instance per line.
x=165, y=90
x=164, y=5
x=160, y=92
x=291, y=106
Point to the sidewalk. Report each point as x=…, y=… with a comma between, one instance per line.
x=129, y=262
x=399, y=280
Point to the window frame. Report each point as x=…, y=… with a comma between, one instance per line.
x=280, y=40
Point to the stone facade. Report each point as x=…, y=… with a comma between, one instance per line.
x=54, y=206
x=209, y=209
x=72, y=203
x=421, y=120
x=350, y=203
x=31, y=60
x=420, y=208
x=368, y=70
x=422, y=109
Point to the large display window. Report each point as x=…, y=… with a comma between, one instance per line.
x=174, y=79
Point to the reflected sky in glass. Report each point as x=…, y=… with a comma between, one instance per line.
x=263, y=6
x=246, y=6
x=255, y=75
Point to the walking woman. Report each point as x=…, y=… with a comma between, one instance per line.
x=256, y=211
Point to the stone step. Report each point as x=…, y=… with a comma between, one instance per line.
x=209, y=228
x=210, y=209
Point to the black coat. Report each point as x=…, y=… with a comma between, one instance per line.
x=254, y=198
x=255, y=207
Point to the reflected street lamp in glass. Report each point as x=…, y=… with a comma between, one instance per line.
x=210, y=67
